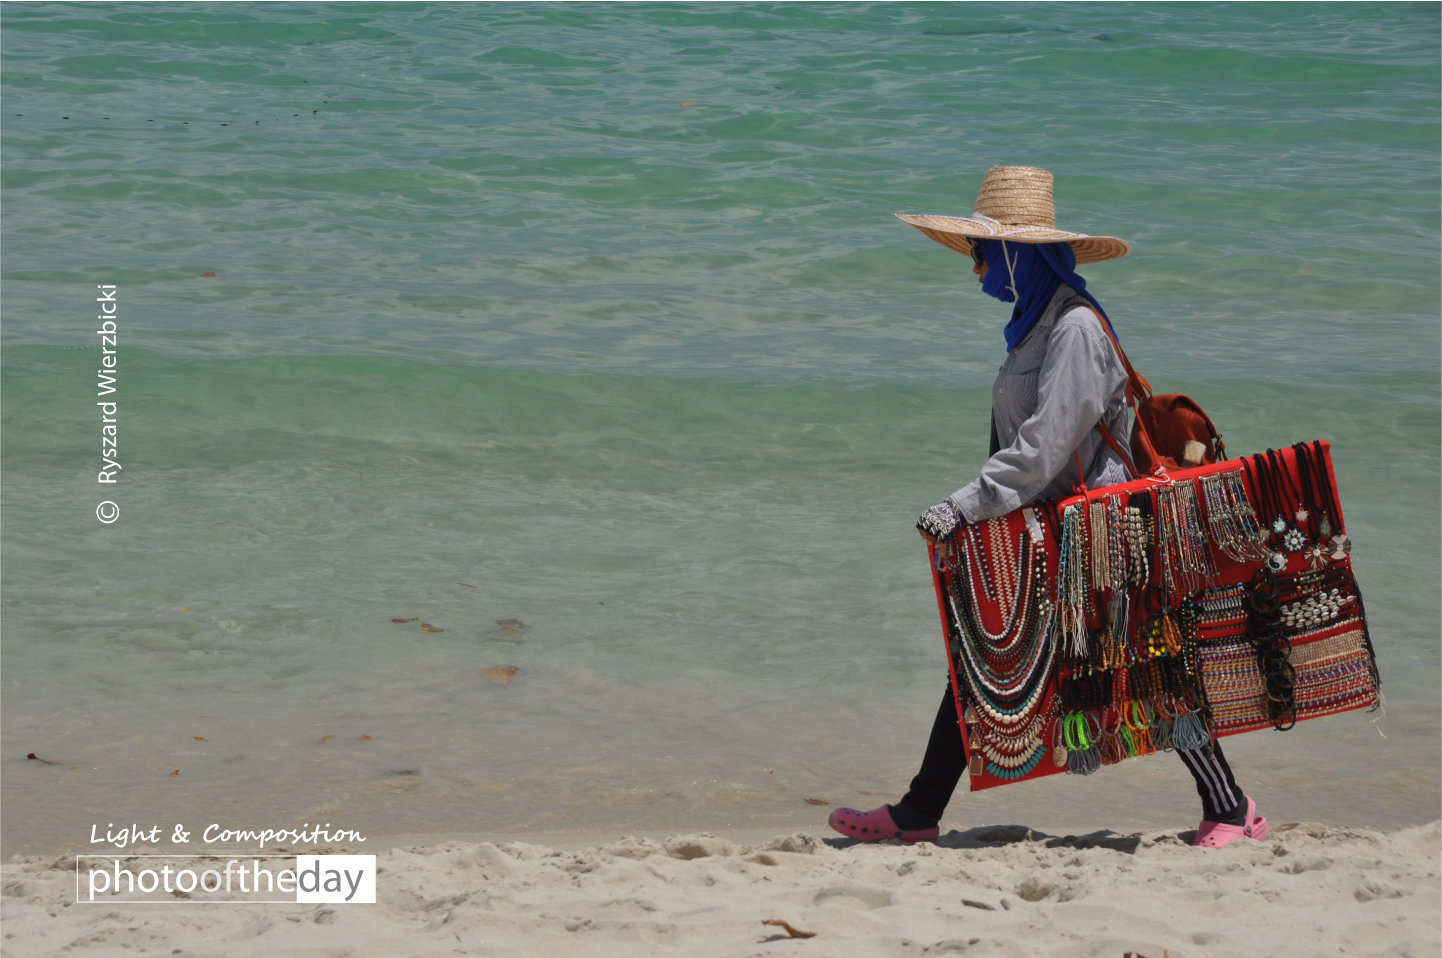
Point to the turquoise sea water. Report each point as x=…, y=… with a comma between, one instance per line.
x=667, y=382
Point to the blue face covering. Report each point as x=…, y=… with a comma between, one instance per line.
x=1037, y=270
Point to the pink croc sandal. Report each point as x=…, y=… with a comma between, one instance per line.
x=877, y=826
x=1217, y=834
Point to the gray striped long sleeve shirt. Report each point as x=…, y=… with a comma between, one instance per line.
x=1052, y=389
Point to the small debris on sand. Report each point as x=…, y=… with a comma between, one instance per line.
x=786, y=926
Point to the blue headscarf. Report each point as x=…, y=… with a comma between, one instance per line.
x=1038, y=268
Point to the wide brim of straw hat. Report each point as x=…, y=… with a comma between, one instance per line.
x=958, y=232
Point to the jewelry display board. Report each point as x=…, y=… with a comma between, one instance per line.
x=1153, y=615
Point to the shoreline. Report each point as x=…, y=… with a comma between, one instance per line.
x=1001, y=890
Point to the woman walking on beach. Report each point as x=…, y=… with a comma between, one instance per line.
x=1062, y=381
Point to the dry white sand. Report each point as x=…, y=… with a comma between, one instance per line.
x=1309, y=890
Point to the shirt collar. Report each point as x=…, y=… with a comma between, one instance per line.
x=1049, y=315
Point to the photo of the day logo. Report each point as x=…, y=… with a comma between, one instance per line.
x=348, y=879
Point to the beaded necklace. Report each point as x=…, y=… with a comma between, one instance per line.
x=999, y=540
x=1099, y=537
x=1006, y=674
x=975, y=551
x=1232, y=519
x=998, y=659
x=1120, y=604
x=1072, y=591
x=1006, y=638
x=1138, y=526
x=1116, y=543
x=1180, y=525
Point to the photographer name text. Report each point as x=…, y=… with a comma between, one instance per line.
x=107, y=512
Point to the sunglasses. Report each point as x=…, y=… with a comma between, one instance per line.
x=977, y=256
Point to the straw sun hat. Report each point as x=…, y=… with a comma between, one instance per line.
x=1014, y=204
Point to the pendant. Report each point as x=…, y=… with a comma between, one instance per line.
x=1324, y=526
x=1316, y=556
x=1280, y=526
x=1341, y=547
x=1294, y=540
x=1058, y=757
x=976, y=763
x=1276, y=562
x=1302, y=515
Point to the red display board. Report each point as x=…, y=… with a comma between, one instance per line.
x=1184, y=616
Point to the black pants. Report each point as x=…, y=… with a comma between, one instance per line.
x=946, y=757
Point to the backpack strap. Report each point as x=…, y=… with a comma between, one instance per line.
x=1079, y=488
x=1118, y=448
x=1138, y=388
x=1137, y=391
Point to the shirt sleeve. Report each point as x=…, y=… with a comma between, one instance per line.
x=1072, y=390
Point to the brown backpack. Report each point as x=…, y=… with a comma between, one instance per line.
x=1169, y=432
